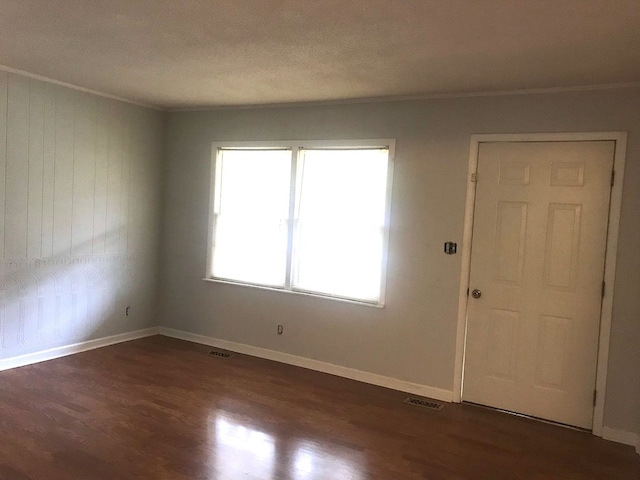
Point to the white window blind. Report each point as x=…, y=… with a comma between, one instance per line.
x=251, y=213
x=339, y=228
x=304, y=219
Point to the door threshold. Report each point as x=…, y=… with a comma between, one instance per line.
x=530, y=417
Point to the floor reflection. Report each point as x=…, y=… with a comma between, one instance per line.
x=244, y=451
x=316, y=461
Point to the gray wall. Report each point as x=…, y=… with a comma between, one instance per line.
x=80, y=192
x=413, y=337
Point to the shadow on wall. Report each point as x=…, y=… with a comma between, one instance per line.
x=59, y=300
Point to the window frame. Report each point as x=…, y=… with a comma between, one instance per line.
x=295, y=146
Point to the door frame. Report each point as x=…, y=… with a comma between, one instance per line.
x=620, y=139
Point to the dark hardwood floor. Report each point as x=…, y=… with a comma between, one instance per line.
x=160, y=408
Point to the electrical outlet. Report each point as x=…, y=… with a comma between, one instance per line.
x=280, y=329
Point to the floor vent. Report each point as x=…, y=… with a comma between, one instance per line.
x=216, y=353
x=419, y=402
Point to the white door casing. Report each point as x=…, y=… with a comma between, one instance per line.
x=532, y=338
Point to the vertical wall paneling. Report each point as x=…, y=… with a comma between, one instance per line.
x=17, y=168
x=30, y=298
x=7, y=285
x=4, y=77
x=62, y=210
x=125, y=184
x=63, y=172
x=65, y=179
x=114, y=177
x=48, y=169
x=36, y=168
x=83, y=175
x=100, y=177
x=136, y=191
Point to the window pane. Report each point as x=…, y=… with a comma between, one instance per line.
x=338, y=242
x=250, y=215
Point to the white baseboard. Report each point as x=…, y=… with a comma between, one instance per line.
x=620, y=436
x=615, y=435
x=351, y=373
x=50, y=354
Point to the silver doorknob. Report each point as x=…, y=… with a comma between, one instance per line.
x=476, y=293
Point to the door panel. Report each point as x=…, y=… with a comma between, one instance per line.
x=561, y=249
x=511, y=228
x=539, y=240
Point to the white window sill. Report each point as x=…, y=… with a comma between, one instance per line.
x=296, y=292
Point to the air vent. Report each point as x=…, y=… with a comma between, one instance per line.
x=419, y=402
x=216, y=353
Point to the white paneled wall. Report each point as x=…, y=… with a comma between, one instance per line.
x=79, y=183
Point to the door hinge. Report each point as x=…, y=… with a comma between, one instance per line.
x=604, y=287
x=613, y=176
x=474, y=177
x=595, y=397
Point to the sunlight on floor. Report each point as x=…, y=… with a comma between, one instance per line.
x=241, y=451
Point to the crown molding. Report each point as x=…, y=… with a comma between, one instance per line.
x=78, y=88
x=408, y=98
x=320, y=103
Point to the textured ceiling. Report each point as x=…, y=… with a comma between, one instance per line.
x=184, y=53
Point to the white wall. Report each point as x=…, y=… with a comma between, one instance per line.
x=80, y=198
x=413, y=337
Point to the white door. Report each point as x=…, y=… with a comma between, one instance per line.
x=537, y=259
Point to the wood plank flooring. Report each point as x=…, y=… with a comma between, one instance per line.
x=163, y=409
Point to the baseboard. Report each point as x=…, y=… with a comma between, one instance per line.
x=615, y=435
x=620, y=436
x=351, y=373
x=50, y=354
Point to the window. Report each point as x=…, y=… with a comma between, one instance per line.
x=302, y=217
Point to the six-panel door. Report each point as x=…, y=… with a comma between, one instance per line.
x=539, y=239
